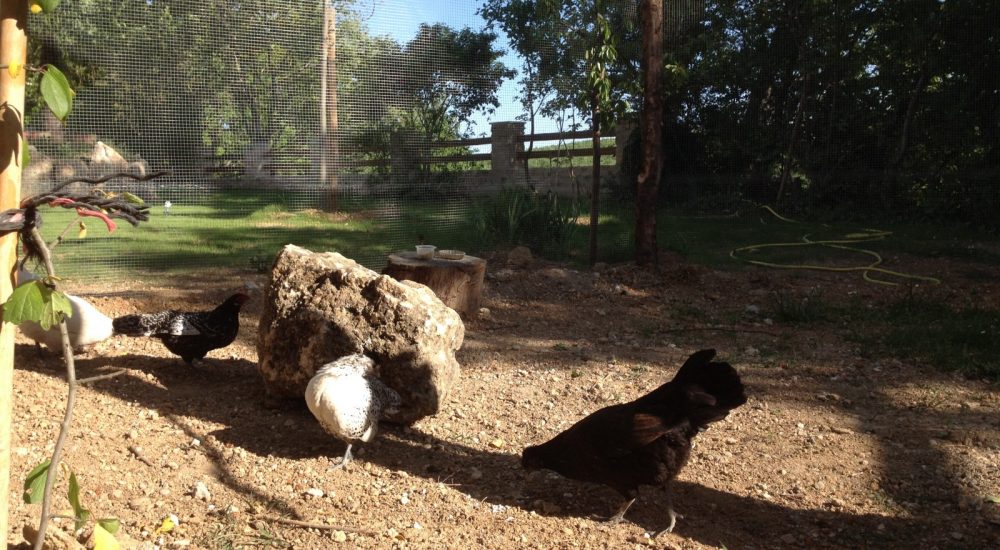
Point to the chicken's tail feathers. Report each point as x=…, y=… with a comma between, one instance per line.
x=131, y=325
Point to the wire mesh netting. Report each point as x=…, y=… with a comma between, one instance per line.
x=368, y=127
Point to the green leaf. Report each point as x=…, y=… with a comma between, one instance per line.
x=56, y=92
x=993, y=498
x=35, y=301
x=47, y=6
x=103, y=539
x=26, y=303
x=57, y=308
x=81, y=513
x=34, y=484
x=133, y=199
x=111, y=525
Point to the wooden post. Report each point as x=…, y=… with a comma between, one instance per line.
x=13, y=49
x=458, y=283
x=328, y=121
x=595, y=184
x=646, y=252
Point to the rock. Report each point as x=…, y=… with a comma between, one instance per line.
x=105, y=154
x=314, y=492
x=200, y=492
x=339, y=536
x=788, y=538
x=520, y=257
x=752, y=309
x=140, y=504
x=556, y=274
x=55, y=538
x=322, y=306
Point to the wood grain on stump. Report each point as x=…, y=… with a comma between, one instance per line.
x=458, y=283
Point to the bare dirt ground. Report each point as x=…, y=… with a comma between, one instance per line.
x=832, y=450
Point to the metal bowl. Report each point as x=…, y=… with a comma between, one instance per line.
x=450, y=254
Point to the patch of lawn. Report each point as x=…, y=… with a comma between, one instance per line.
x=245, y=230
x=966, y=340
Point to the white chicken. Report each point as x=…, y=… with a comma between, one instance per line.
x=348, y=399
x=86, y=325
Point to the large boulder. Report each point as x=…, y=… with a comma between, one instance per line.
x=321, y=306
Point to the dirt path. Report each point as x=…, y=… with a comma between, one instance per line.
x=832, y=450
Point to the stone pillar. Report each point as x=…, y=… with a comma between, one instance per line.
x=404, y=157
x=507, y=142
x=623, y=131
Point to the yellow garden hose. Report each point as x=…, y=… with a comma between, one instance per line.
x=845, y=243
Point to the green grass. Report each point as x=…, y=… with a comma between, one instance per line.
x=245, y=230
x=709, y=239
x=966, y=340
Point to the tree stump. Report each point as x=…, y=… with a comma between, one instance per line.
x=458, y=283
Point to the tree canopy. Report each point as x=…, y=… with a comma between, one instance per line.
x=181, y=80
x=892, y=108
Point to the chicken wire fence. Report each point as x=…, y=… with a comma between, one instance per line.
x=372, y=126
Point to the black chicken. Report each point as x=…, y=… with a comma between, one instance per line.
x=190, y=335
x=647, y=441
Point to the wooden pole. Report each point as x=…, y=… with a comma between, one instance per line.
x=595, y=185
x=328, y=121
x=647, y=186
x=13, y=49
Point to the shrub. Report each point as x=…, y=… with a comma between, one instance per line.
x=520, y=216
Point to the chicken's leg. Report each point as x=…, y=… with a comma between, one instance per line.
x=620, y=514
x=671, y=513
x=347, y=458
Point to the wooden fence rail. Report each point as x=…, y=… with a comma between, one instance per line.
x=507, y=146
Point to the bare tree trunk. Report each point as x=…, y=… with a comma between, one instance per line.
x=646, y=251
x=904, y=134
x=828, y=149
x=786, y=169
x=13, y=49
x=595, y=185
x=328, y=121
x=532, y=115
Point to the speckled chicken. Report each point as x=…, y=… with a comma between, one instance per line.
x=646, y=441
x=348, y=399
x=191, y=335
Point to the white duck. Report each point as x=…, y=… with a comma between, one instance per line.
x=348, y=399
x=86, y=325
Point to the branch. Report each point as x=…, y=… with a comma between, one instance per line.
x=43, y=522
x=322, y=526
x=102, y=179
x=65, y=230
x=138, y=455
x=100, y=377
x=720, y=329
